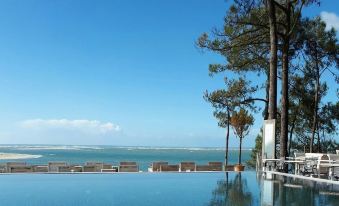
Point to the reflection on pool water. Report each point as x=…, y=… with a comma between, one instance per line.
x=247, y=188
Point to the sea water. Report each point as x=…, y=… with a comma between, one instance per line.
x=144, y=156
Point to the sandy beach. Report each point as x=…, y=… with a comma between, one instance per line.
x=14, y=156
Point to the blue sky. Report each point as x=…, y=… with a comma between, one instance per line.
x=111, y=72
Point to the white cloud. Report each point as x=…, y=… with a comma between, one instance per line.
x=82, y=125
x=331, y=19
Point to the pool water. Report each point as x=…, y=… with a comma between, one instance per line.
x=247, y=188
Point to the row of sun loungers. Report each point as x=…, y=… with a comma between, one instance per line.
x=62, y=167
x=185, y=167
x=95, y=167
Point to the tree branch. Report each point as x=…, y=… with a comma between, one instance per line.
x=253, y=99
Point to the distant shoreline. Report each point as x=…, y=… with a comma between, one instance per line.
x=16, y=156
x=79, y=147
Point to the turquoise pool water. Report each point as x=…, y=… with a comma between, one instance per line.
x=213, y=189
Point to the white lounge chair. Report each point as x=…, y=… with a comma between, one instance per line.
x=54, y=166
x=335, y=159
x=323, y=171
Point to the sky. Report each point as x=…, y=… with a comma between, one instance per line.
x=113, y=72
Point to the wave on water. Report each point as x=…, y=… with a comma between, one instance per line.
x=15, y=156
x=130, y=148
x=182, y=148
x=49, y=147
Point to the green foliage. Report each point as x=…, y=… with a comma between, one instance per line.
x=320, y=55
x=241, y=122
x=238, y=94
x=244, y=42
x=330, y=146
x=301, y=114
x=321, y=46
x=256, y=150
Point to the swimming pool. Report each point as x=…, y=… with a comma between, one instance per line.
x=247, y=188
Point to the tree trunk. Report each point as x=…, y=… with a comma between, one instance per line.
x=319, y=141
x=240, y=147
x=267, y=97
x=291, y=134
x=284, y=84
x=316, y=103
x=272, y=100
x=284, y=102
x=227, y=137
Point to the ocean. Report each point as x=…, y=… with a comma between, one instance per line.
x=144, y=156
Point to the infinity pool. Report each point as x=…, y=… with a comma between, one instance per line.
x=247, y=188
